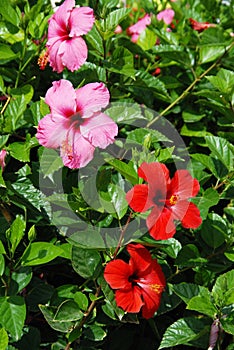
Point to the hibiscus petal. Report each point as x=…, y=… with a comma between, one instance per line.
x=138, y=198
x=73, y=53
x=157, y=176
x=117, y=273
x=140, y=258
x=76, y=151
x=160, y=223
x=61, y=98
x=151, y=296
x=51, y=132
x=166, y=15
x=192, y=218
x=100, y=130
x=138, y=27
x=54, y=58
x=60, y=19
x=81, y=21
x=92, y=98
x=129, y=300
x=184, y=185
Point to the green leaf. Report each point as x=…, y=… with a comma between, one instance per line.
x=202, y=303
x=2, y=264
x=126, y=113
x=6, y=54
x=20, y=278
x=13, y=314
x=2, y=249
x=94, y=333
x=114, y=18
x=38, y=253
x=183, y=331
x=16, y=232
x=210, y=53
x=222, y=149
x=9, y=13
x=26, y=90
x=48, y=313
x=187, y=291
x=50, y=162
x=87, y=263
x=95, y=39
x=223, y=290
x=147, y=39
x=3, y=339
x=68, y=311
x=14, y=111
x=88, y=239
x=114, y=201
x=227, y=323
x=121, y=62
x=125, y=169
x=189, y=255
x=209, y=198
x=3, y=140
x=82, y=301
x=213, y=230
x=20, y=151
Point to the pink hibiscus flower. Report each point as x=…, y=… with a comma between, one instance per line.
x=76, y=124
x=3, y=154
x=166, y=16
x=65, y=45
x=136, y=29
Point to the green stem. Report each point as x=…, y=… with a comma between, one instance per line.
x=189, y=88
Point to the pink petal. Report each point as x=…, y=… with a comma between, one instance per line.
x=117, y=273
x=138, y=198
x=76, y=151
x=160, y=223
x=166, y=15
x=3, y=154
x=51, y=132
x=81, y=21
x=61, y=98
x=100, y=130
x=73, y=53
x=138, y=27
x=129, y=300
x=61, y=16
x=91, y=98
x=54, y=58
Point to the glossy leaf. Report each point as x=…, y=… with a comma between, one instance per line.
x=38, y=253
x=86, y=263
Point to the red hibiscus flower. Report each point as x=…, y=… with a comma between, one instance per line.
x=167, y=198
x=200, y=26
x=139, y=283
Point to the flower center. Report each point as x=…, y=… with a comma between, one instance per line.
x=76, y=120
x=133, y=279
x=174, y=199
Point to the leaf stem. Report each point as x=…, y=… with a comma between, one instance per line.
x=122, y=235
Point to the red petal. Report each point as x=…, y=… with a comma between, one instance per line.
x=160, y=224
x=152, y=301
x=184, y=185
x=152, y=172
x=140, y=258
x=138, y=198
x=129, y=300
x=116, y=274
x=192, y=218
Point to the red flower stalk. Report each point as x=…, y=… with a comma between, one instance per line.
x=167, y=198
x=139, y=283
x=200, y=26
